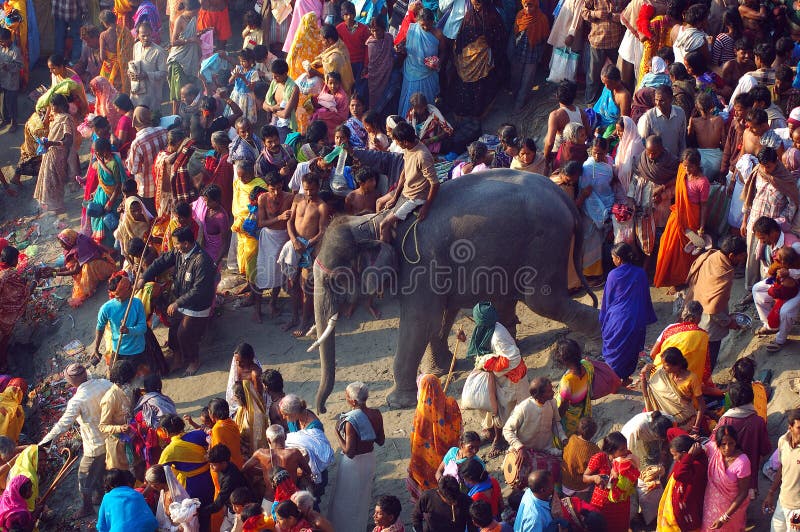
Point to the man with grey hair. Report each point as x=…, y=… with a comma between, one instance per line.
x=84, y=407
x=357, y=431
x=305, y=503
x=277, y=455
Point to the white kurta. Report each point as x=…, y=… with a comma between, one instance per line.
x=151, y=61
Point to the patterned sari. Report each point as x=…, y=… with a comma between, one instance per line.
x=186, y=454
x=95, y=264
x=660, y=27
x=251, y=418
x=579, y=399
x=437, y=428
x=111, y=175
x=692, y=342
x=306, y=46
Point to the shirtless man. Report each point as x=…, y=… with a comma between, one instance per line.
x=754, y=15
x=282, y=110
x=292, y=460
x=274, y=210
x=759, y=135
x=566, y=112
x=733, y=70
x=273, y=387
x=307, y=222
x=363, y=199
x=707, y=129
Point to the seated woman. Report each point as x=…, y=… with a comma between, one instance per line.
x=674, y=390
x=478, y=160
x=87, y=262
x=528, y=159
x=744, y=371
x=468, y=448
x=14, y=513
x=429, y=123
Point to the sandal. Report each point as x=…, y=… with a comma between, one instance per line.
x=765, y=331
x=774, y=347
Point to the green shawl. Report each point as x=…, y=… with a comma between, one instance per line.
x=289, y=87
x=480, y=343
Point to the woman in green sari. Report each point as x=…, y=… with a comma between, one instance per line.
x=111, y=174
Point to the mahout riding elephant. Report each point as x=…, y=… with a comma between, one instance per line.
x=501, y=236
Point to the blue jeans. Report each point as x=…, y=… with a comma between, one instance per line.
x=61, y=28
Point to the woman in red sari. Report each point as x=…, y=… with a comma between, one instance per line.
x=688, y=212
x=614, y=473
x=14, y=293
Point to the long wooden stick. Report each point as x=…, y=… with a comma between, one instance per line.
x=130, y=299
x=452, y=363
x=60, y=476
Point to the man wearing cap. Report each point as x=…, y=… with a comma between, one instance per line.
x=84, y=407
x=127, y=332
x=145, y=146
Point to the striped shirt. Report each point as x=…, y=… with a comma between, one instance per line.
x=84, y=407
x=69, y=9
x=143, y=151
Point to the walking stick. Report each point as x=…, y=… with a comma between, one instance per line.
x=115, y=352
x=452, y=362
x=60, y=476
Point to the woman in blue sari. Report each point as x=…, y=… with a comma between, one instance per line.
x=422, y=40
x=626, y=312
x=595, y=200
x=110, y=176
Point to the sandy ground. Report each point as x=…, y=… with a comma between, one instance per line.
x=364, y=346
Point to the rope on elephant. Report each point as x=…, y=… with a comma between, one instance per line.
x=413, y=227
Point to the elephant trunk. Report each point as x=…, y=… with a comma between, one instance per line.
x=325, y=318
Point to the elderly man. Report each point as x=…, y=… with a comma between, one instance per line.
x=787, y=479
x=770, y=238
x=246, y=146
x=666, y=120
x=534, y=513
x=710, y=282
x=84, y=407
x=278, y=455
x=193, y=287
x=531, y=427
x=148, y=142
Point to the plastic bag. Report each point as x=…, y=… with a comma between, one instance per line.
x=308, y=84
x=563, y=65
x=206, y=44
x=475, y=395
x=624, y=231
x=183, y=509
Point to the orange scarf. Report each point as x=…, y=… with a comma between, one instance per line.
x=535, y=25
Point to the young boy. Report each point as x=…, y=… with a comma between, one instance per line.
x=240, y=499
x=354, y=35
x=577, y=451
x=481, y=514
x=363, y=199
x=229, y=478
x=274, y=209
x=10, y=67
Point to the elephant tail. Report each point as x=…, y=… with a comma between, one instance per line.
x=577, y=257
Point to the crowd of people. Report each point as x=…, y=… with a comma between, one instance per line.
x=683, y=164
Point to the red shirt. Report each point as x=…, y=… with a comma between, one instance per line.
x=355, y=41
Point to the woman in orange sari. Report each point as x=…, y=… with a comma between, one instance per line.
x=688, y=212
x=437, y=428
x=87, y=262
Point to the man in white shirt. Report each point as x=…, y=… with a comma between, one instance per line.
x=84, y=407
x=530, y=430
x=771, y=239
x=787, y=479
x=665, y=120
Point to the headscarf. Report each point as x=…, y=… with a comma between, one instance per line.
x=130, y=228
x=660, y=171
x=486, y=23
x=536, y=25
x=307, y=44
x=13, y=508
x=105, y=94
x=658, y=65
x=142, y=117
x=485, y=316
x=79, y=246
x=794, y=117
x=437, y=428
x=628, y=151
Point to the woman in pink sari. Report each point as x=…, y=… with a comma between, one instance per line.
x=729, y=473
x=332, y=106
x=104, y=94
x=14, y=513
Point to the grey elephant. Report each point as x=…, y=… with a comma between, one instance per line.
x=500, y=236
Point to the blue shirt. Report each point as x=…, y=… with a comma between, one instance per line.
x=112, y=312
x=124, y=510
x=533, y=514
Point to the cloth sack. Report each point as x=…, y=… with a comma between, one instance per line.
x=563, y=65
x=475, y=395
x=605, y=381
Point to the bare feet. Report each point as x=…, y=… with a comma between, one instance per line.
x=497, y=449
x=191, y=369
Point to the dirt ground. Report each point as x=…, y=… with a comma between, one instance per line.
x=364, y=346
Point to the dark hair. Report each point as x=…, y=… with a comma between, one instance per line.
x=674, y=357
x=135, y=246
x=761, y=94
x=784, y=46
x=252, y=18
x=5, y=34
x=742, y=43
x=130, y=187
x=269, y=131
x=372, y=118
x=678, y=72
x=288, y=509
x=144, y=25
x=792, y=416
x=219, y=454
x=695, y=14
x=613, y=442
x=329, y=32
x=115, y=478
x=113, y=283
x=704, y=101
x=404, y=132
x=530, y=144
x=741, y=393
x=245, y=351
x=347, y=7
x=566, y=91
x=100, y=121
x=273, y=380
x=449, y=488
x=241, y=495
x=744, y=99
x=623, y=251
x=175, y=136
x=726, y=430
x=744, y=370
x=57, y=60
x=60, y=102
x=472, y=470
x=247, y=54
x=572, y=168
x=600, y=142
x=682, y=443
x=757, y=117
x=344, y=130
x=9, y=255
x=568, y=353
x=317, y=131
x=123, y=101
x=666, y=54
x=182, y=209
x=691, y=155
x=260, y=52
x=469, y=436
x=767, y=155
x=172, y=423
x=477, y=151
x=364, y=174
x=102, y=146
x=107, y=17
x=784, y=73
x=732, y=244
x=664, y=90
x=389, y=503
x=219, y=408
x=427, y=15
x=152, y=383
x=213, y=192
x=253, y=510
x=89, y=30
x=732, y=19
x=481, y=513
x=183, y=234
x=310, y=179
x=765, y=225
x=273, y=179
x=765, y=52
x=587, y=428
x=611, y=72
x=122, y=372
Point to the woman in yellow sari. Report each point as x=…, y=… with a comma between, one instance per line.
x=12, y=416
x=251, y=417
x=247, y=246
x=306, y=46
x=186, y=455
x=660, y=27
x=437, y=428
x=674, y=390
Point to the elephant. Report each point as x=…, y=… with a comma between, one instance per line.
x=501, y=236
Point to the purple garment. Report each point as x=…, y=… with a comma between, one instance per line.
x=147, y=11
x=626, y=312
x=84, y=250
x=213, y=226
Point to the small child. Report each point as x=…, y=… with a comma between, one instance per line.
x=528, y=159
x=244, y=77
x=577, y=451
x=205, y=420
x=784, y=287
x=478, y=160
x=481, y=514
x=744, y=371
x=363, y=199
x=240, y=499
x=264, y=59
x=376, y=138
x=10, y=68
x=252, y=34
x=253, y=519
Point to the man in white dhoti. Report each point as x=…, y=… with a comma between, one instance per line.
x=274, y=209
x=149, y=70
x=496, y=352
x=357, y=433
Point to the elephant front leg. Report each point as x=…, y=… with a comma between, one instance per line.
x=413, y=336
x=438, y=358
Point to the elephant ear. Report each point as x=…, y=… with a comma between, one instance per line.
x=377, y=264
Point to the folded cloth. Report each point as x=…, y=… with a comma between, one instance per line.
x=360, y=422
x=316, y=446
x=291, y=261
